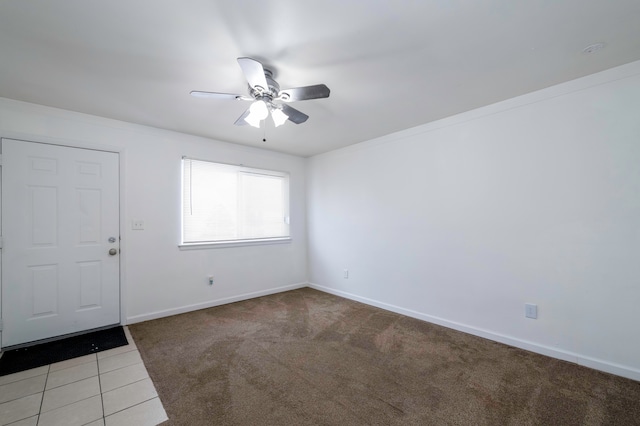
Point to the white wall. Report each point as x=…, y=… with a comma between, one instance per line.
x=158, y=278
x=462, y=221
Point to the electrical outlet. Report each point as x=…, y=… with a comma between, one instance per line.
x=137, y=225
x=531, y=310
x=345, y=273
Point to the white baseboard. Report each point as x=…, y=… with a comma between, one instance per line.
x=596, y=364
x=211, y=303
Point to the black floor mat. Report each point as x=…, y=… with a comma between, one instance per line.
x=22, y=359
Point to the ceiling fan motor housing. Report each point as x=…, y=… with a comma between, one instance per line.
x=271, y=91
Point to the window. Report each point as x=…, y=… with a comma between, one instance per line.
x=222, y=203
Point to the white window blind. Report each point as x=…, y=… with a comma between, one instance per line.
x=225, y=203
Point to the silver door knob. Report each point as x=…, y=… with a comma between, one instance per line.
x=113, y=252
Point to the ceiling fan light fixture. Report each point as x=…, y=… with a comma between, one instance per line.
x=253, y=121
x=279, y=117
x=258, y=111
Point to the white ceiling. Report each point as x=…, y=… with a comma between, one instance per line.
x=390, y=65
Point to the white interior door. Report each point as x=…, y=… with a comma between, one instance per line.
x=60, y=229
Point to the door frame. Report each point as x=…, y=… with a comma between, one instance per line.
x=72, y=143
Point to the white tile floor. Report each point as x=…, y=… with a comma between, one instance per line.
x=108, y=388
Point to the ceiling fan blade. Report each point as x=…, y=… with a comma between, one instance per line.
x=294, y=115
x=216, y=95
x=254, y=72
x=303, y=93
x=240, y=121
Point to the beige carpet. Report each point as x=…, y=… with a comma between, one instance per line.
x=309, y=358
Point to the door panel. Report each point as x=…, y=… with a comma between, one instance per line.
x=59, y=209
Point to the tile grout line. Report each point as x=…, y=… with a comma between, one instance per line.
x=104, y=421
x=122, y=386
x=43, y=390
x=135, y=405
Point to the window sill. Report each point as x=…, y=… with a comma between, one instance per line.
x=238, y=243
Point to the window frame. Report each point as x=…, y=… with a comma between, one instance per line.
x=240, y=168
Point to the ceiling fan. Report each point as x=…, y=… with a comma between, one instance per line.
x=266, y=95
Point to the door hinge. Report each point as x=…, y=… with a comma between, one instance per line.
x=0, y=159
x=1, y=241
x=1, y=324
